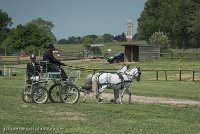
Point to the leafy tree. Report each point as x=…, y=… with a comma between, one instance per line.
x=120, y=38
x=45, y=25
x=195, y=30
x=182, y=17
x=27, y=37
x=62, y=41
x=99, y=39
x=160, y=39
x=108, y=38
x=89, y=39
x=123, y=37
x=148, y=21
x=74, y=40
x=137, y=37
x=5, y=24
x=173, y=17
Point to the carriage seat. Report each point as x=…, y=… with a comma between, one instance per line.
x=49, y=70
x=73, y=76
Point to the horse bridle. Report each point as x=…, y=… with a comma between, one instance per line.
x=133, y=75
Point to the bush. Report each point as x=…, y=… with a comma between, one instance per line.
x=160, y=39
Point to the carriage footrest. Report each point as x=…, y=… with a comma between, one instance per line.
x=51, y=75
x=87, y=88
x=72, y=79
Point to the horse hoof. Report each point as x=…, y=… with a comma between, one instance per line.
x=112, y=100
x=100, y=100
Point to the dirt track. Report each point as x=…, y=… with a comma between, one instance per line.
x=153, y=100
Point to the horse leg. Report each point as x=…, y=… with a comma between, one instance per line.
x=121, y=95
x=116, y=95
x=95, y=85
x=129, y=93
x=85, y=97
x=97, y=93
x=100, y=98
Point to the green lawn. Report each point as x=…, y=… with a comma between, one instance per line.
x=108, y=118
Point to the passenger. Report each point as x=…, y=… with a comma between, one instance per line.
x=33, y=69
x=48, y=56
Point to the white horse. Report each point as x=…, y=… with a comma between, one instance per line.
x=103, y=81
x=87, y=88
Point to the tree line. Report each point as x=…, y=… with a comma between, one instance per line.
x=30, y=37
x=168, y=23
x=91, y=39
x=176, y=19
x=34, y=35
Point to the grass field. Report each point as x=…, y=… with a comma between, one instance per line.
x=107, y=118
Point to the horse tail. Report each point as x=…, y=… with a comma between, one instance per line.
x=95, y=85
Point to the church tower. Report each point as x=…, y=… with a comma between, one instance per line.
x=129, y=30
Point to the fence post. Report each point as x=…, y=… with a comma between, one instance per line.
x=94, y=71
x=156, y=74
x=171, y=56
x=193, y=74
x=166, y=75
x=180, y=75
x=18, y=58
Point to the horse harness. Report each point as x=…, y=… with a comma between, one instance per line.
x=120, y=75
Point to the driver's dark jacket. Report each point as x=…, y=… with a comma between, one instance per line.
x=48, y=56
x=33, y=70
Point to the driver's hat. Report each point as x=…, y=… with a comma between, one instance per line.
x=50, y=45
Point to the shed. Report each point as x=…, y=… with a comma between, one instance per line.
x=138, y=52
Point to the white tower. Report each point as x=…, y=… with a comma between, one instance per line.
x=129, y=30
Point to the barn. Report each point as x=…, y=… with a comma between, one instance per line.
x=138, y=52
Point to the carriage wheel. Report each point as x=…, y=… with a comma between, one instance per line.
x=39, y=95
x=54, y=92
x=26, y=96
x=69, y=93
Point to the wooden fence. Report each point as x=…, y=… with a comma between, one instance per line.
x=168, y=74
x=194, y=75
x=174, y=56
x=179, y=74
x=78, y=56
x=18, y=59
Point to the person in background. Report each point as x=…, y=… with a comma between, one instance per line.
x=48, y=56
x=33, y=69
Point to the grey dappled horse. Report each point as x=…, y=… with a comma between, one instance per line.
x=87, y=88
x=103, y=81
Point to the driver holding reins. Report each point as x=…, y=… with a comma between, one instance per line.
x=48, y=56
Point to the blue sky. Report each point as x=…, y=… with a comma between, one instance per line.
x=77, y=17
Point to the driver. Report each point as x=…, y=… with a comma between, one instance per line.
x=48, y=56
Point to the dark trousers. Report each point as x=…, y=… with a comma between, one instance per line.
x=63, y=74
x=55, y=68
